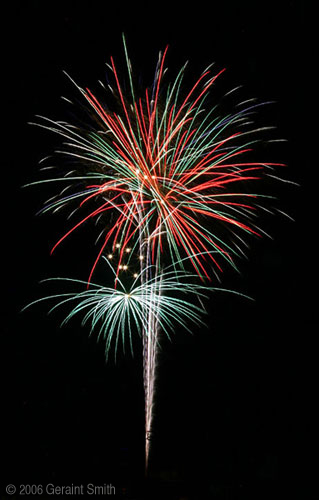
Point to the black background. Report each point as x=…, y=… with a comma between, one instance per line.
x=235, y=403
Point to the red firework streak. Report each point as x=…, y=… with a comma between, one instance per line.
x=168, y=174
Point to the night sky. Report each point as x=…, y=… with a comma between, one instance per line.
x=234, y=416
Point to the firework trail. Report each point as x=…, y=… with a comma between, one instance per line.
x=169, y=183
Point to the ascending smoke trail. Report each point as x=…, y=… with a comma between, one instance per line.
x=150, y=346
x=169, y=181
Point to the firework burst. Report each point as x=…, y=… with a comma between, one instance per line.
x=169, y=183
x=115, y=313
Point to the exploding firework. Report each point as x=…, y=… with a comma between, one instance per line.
x=115, y=313
x=169, y=183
